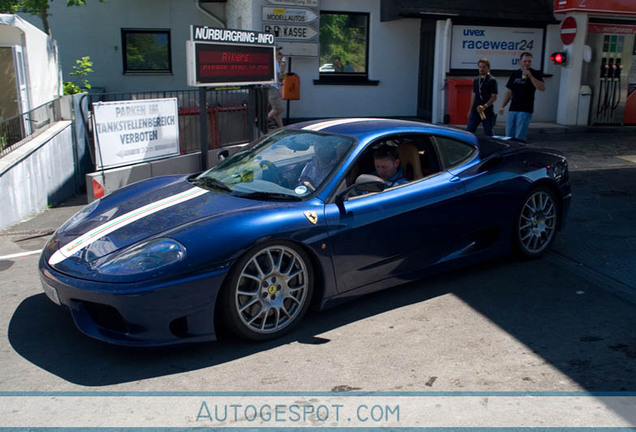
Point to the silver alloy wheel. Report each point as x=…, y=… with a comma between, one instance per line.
x=537, y=222
x=271, y=290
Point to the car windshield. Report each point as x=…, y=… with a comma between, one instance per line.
x=289, y=164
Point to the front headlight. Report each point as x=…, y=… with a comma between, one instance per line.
x=142, y=258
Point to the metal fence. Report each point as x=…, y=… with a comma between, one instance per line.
x=16, y=131
x=227, y=110
x=232, y=115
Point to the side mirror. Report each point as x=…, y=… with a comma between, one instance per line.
x=364, y=183
x=369, y=183
x=223, y=155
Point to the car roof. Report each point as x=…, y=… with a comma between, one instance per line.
x=367, y=128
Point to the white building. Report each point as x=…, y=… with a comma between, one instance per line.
x=29, y=72
x=406, y=51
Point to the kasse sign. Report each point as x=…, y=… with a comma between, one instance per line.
x=287, y=32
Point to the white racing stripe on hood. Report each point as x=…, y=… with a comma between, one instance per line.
x=329, y=123
x=95, y=234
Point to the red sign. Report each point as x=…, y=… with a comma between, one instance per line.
x=611, y=28
x=622, y=7
x=568, y=30
x=221, y=64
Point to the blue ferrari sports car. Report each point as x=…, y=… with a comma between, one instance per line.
x=303, y=216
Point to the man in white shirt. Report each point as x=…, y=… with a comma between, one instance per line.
x=273, y=95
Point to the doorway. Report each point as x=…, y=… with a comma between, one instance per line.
x=427, y=60
x=8, y=86
x=14, y=94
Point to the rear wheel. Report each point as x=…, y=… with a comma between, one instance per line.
x=268, y=291
x=536, y=223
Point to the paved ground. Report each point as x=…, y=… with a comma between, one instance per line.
x=503, y=326
x=600, y=237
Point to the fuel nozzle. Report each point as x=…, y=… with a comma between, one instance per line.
x=604, y=68
x=619, y=68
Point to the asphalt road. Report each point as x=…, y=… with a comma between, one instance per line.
x=558, y=324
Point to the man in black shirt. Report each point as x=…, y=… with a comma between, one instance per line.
x=521, y=87
x=482, y=99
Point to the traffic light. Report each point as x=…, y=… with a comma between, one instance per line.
x=559, y=58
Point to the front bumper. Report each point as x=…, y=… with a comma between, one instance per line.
x=180, y=311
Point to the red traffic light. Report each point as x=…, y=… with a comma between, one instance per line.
x=559, y=58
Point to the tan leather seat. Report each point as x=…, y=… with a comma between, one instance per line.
x=410, y=161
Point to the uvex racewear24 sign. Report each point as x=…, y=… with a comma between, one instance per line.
x=501, y=45
x=221, y=57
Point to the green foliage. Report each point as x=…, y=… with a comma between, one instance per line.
x=4, y=141
x=82, y=68
x=8, y=6
x=35, y=7
x=343, y=36
x=5, y=127
x=30, y=6
x=146, y=51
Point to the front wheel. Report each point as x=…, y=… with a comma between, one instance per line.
x=536, y=223
x=268, y=291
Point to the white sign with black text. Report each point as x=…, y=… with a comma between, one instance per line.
x=304, y=3
x=287, y=32
x=501, y=45
x=129, y=132
x=289, y=16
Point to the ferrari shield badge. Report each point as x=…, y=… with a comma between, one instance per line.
x=311, y=216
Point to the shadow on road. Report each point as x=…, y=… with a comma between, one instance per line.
x=81, y=360
x=585, y=332
x=579, y=329
x=601, y=229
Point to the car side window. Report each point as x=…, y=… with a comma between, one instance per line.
x=416, y=153
x=453, y=152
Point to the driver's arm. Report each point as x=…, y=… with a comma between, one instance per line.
x=305, y=177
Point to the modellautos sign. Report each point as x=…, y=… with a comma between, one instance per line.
x=289, y=16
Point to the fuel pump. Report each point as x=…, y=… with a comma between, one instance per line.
x=616, y=78
x=606, y=75
x=601, y=100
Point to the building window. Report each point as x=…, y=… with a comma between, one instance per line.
x=146, y=51
x=344, y=47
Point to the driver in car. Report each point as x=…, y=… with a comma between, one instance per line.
x=387, y=165
x=319, y=166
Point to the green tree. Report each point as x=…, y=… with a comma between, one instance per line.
x=343, y=36
x=36, y=7
x=147, y=52
x=82, y=68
